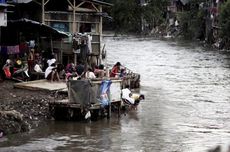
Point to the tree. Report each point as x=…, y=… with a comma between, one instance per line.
x=129, y=14
x=192, y=21
x=225, y=21
x=154, y=12
x=126, y=15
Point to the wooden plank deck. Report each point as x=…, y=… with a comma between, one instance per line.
x=40, y=85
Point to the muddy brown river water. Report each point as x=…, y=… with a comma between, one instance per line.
x=187, y=105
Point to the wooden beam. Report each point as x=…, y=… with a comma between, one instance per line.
x=100, y=33
x=71, y=4
x=80, y=4
x=47, y=2
x=37, y=2
x=95, y=8
x=43, y=11
x=74, y=16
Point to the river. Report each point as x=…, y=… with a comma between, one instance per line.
x=186, y=109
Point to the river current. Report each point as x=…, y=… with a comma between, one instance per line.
x=187, y=105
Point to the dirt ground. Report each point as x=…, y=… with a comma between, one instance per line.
x=22, y=109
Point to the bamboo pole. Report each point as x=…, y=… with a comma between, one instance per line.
x=43, y=11
x=74, y=28
x=100, y=33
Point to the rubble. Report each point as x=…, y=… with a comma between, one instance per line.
x=21, y=110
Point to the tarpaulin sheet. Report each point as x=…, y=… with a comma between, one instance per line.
x=86, y=93
x=105, y=92
x=83, y=92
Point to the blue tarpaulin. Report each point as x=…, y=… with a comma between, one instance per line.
x=105, y=92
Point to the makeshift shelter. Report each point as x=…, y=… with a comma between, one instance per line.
x=23, y=30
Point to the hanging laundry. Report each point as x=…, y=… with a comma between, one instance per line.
x=89, y=43
x=13, y=49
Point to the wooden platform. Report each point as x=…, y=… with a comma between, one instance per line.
x=40, y=85
x=64, y=110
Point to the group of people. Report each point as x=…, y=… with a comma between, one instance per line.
x=84, y=71
x=15, y=69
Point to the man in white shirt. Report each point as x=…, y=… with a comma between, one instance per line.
x=89, y=74
x=126, y=96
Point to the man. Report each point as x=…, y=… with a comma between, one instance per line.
x=131, y=99
x=137, y=98
x=126, y=95
x=80, y=70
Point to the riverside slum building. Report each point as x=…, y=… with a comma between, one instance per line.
x=23, y=26
x=79, y=22
x=83, y=20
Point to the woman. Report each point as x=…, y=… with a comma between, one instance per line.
x=115, y=70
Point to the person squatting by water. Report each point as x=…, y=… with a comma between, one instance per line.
x=131, y=99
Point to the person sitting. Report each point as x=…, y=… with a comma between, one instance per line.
x=21, y=70
x=37, y=67
x=80, y=70
x=61, y=71
x=99, y=71
x=51, y=73
x=123, y=73
x=70, y=68
x=115, y=70
x=89, y=74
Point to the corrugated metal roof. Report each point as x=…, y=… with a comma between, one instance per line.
x=22, y=1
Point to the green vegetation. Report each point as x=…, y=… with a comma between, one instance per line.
x=225, y=22
x=192, y=21
x=128, y=15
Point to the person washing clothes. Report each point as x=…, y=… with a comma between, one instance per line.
x=131, y=99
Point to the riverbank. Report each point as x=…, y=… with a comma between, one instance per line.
x=21, y=110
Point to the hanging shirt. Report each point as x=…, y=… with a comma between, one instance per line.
x=89, y=43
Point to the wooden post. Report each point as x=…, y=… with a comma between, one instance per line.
x=74, y=28
x=61, y=51
x=75, y=59
x=43, y=11
x=109, y=111
x=51, y=44
x=74, y=17
x=100, y=33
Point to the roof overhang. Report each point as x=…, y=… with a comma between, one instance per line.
x=36, y=27
x=21, y=1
